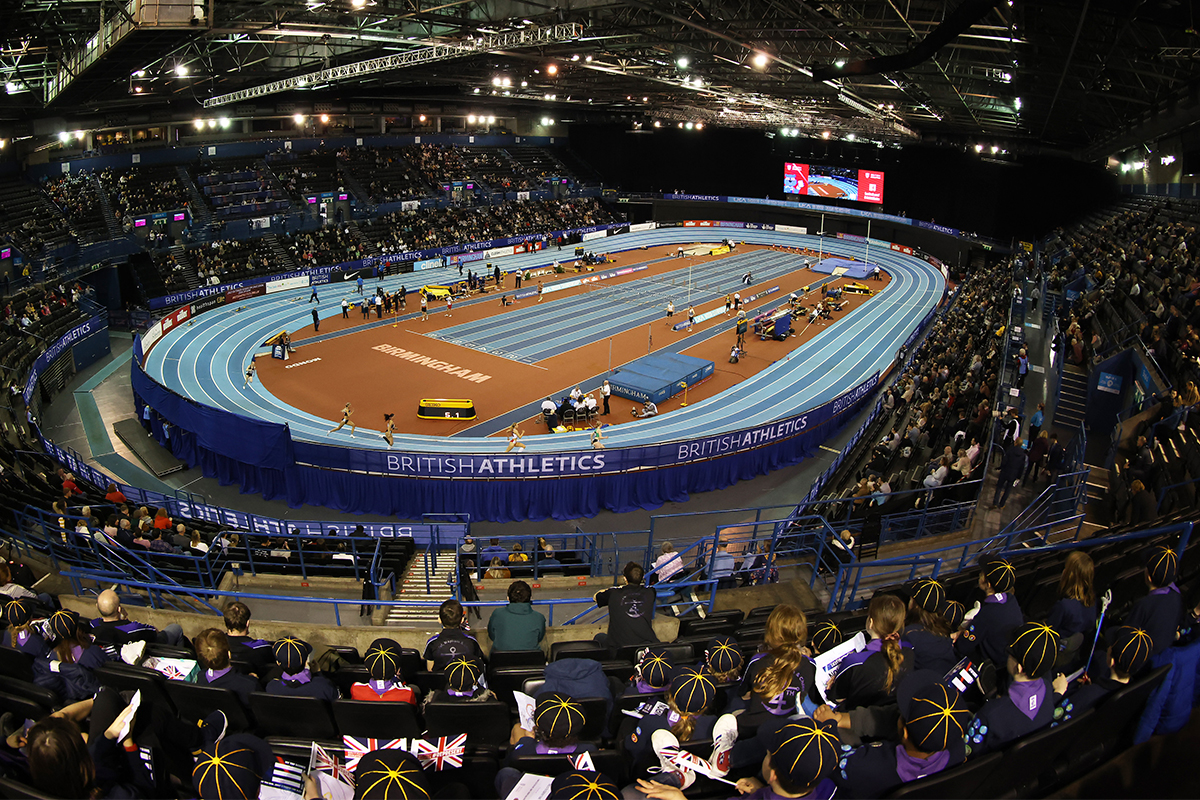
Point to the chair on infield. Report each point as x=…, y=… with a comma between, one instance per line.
x=960, y=781
x=568, y=418
x=194, y=703
x=376, y=720
x=282, y=715
x=550, y=418
x=488, y=722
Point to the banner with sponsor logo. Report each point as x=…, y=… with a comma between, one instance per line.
x=605, y=462
x=499, y=252
x=587, y=237
x=792, y=229
x=76, y=334
x=699, y=223
x=643, y=226
x=902, y=248
x=245, y=293
x=852, y=237
x=410, y=205
x=522, y=195
x=426, y=263
x=286, y=283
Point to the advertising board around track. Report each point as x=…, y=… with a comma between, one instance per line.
x=568, y=464
x=78, y=333
x=286, y=283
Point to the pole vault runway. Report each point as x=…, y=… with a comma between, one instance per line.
x=205, y=360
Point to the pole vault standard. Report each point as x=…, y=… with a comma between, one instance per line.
x=821, y=239
x=610, y=354
x=867, y=257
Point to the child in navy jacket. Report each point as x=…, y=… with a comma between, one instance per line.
x=987, y=635
x=1159, y=612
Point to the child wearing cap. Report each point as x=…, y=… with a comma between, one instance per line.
x=927, y=628
x=687, y=719
x=398, y=775
x=453, y=640
x=932, y=722
x=1161, y=610
x=557, y=721
x=723, y=658
x=800, y=761
x=987, y=635
x=776, y=681
x=297, y=680
x=581, y=785
x=1127, y=656
x=1028, y=703
x=464, y=683
x=652, y=672
x=824, y=636
x=870, y=676
x=386, y=683
x=21, y=633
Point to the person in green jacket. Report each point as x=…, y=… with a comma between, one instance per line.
x=517, y=626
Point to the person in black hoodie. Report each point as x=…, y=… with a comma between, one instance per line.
x=927, y=629
x=630, y=611
x=1159, y=612
x=987, y=635
x=1127, y=656
x=1027, y=705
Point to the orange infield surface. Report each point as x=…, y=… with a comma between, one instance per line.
x=320, y=378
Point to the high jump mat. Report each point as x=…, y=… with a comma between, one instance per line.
x=843, y=267
x=659, y=376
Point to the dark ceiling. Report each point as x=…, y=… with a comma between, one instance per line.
x=1077, y=75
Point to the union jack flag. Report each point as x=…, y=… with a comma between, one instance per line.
x=320, y=761
x=357, y=748
x=688, y=762
x=447, y=752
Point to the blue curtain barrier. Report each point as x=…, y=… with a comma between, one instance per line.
x=499, y=488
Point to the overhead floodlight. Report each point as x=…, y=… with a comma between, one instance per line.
x=761, y=60
x=825, y=134
x=199, y=123
x=421, y=118
x=839, y=64
x=181, y=70
x=491, y=120
x=657, y=124
x=224, y=122
x=298, y=118
x=324, y=119
x=699, y=126
x=552, y=69
x=524, y=84
x=496, y=81
x=12, y=88
x=64, y=137
x=515, y=39
x=476, y=90
x=575, y=57
x=358, y=3
x=471, y=119
x=995, y=149
x=689, y=126
x=212, y=123
x=850, y=137
x=978, y=148
x=682, y=62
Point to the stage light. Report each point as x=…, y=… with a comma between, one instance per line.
x=680, y=124
x=141, y=73
x=358, y=3
x=575, y=57
x=1139, y=165
x=299, y=118
x=79, y=135
x=524, y=84
x=224, y=122
x=506, y=82
x=657, y=124
x=476, y=90
x=324, y=119
x=682, y=62
x=547, y=121
x=761, y=60
x=181, y=70
x=645, y=99
x=588, y=59
x=137, y=90
x=551, y=69
x=850, y=137
x=995, y=149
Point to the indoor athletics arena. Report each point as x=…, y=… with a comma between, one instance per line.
x=601, y=400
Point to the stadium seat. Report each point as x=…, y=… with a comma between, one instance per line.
x=504, y=681
x=960, y=781
x=586, y=649
x=500, y=659
x=376, y=720
x=693, y=626
x=23, y=707
x=126, y=677
x=595, y=718
x=680, y=652
x=11, y=789
x=488, y=722
x=194, y=703
x=30, y=690
x=16, y=664
x=281, y=715
x=347, y=676
x=608, y=762
x=1031, y=756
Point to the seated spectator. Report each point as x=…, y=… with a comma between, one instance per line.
x=453, y=641
x=825, y=636
x=927, y=629
x=630, y=611
x=869, y=677
x=161, y=520
x=652, y=672
x=497, y=570
x=386, y=683
x=801, y=759
x=114, y=495
x=1159, y=612
x=493, y=550
x=71, y=660
x=114, y=629
x=933, y=719
x=517, y=556
x=668, y=563
x=243, y=646
x=10, y=589
x=196, y=545
x=464, y=683
x=297, y=680
x=70, y=488
x=688, y=718
x=180, y=537
x=988, y=634
x=723, y=566
x=778, y=679
x=160, y=545
x=212, y=652
x=1075, y=610
x=1028, y=703
x=557, y=721
x=547, y=558
x=1126, y=657
x=517, y=626
x=21, y=633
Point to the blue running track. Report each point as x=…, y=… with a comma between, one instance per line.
x=205, y=361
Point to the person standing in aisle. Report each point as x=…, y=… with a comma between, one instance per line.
x=670, y=311
x=316, y=321
x=605, y=393
x=345, y=308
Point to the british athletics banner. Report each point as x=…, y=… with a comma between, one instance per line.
x=76, y=334
x=583, y=463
